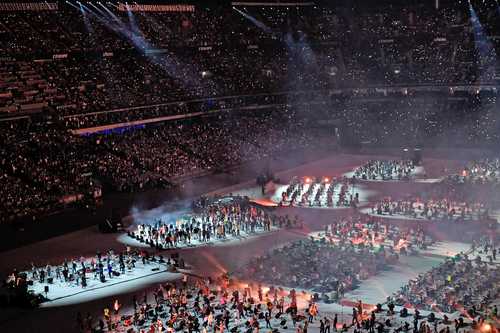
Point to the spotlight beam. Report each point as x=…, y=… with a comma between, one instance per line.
x=484, y=48
x=256, y=22
x=183, y=72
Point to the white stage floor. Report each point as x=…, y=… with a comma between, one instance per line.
x=230, y=240
x=274, y=197
x=62, y=293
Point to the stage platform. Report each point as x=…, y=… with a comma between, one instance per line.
x=225, y=256
x=61, y=294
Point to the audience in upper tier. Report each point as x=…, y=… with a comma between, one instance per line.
x=326, y=48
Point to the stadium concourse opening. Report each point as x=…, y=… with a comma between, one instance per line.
x=244, y=166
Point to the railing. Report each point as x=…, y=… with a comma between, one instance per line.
x=100, y=129
x=375, y=91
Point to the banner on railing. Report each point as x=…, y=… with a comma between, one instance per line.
x=60, y=56
x=27, y=6
x=155, y=51
x=272, y=4
x=41, y=61
x=70, y=198
x=34, y=106
x=66, y=106
x=97, y=193
x=155, y=8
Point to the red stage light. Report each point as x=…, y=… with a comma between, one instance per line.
x=486, y=328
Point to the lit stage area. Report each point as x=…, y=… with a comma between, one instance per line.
x=371, y=295
x=84, y=279
x=389, y=170
x=62, y=294
x=230, y=253
x=309, y=192
x=369, y=292
x=212, y=221
x=386, y=283
x=389, y=285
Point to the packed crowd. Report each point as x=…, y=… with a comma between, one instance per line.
x=216, y=51
x=458, y=283
x=44, y=167
x=328, y=268
x=319, y=192
x=410, y=117
x=385, y=170
x=88, y=85
x=222, y=219
x=210, y=145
